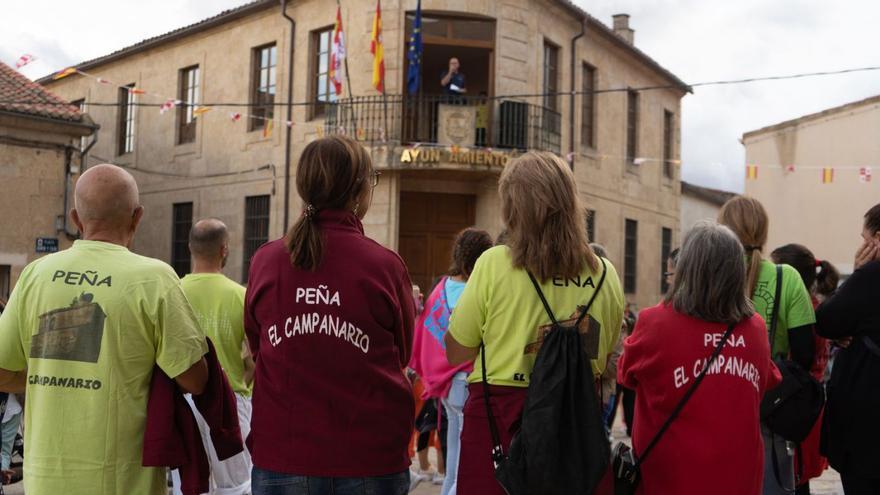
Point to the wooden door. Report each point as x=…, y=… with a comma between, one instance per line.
x=429, y=223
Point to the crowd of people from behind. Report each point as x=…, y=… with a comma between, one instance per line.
x=303, y=383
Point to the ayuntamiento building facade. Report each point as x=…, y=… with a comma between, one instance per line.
x=440, y=156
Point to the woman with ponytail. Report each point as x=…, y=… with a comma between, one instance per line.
x=818, y=275
x=794, y=320
x=329, y=317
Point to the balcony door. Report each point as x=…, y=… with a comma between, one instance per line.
x=472, y=42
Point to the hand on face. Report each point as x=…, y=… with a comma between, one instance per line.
x=869, y=251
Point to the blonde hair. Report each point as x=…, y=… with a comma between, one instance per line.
x=545, y=220
x=747, y=218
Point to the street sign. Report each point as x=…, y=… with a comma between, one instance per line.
x=47, y=245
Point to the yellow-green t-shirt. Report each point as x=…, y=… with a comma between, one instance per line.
x=500, y=308
x=795, y=309
x=219, y=306
x=89, y=324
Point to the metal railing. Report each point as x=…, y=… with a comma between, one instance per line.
x=500, y=123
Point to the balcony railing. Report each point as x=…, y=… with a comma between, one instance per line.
x=500, y=123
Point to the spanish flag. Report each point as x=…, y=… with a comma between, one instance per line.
x=378, y=50
x=751, y=172
x=827, y=175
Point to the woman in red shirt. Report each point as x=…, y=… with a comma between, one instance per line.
x=714, y=445
x=329, y=316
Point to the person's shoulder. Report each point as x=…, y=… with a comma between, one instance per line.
x=610, y=270
x=872, y=268
x=656, y=314
x=270, y=251
x=756, y=321
x=496, y=253
x=145, y=268
x=790, y=274
x=233, y=286
x=381, y=255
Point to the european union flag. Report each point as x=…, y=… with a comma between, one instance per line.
x=414, y=53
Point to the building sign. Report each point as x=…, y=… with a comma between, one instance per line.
x=456, y=125
x=462, y=156
x=47, y=245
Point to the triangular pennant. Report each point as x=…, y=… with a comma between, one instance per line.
x=63, y=73
x=751, y=172
x=827, y=175
x=267, y=129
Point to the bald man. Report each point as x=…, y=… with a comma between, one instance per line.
x=81, y=333
x=219, y=306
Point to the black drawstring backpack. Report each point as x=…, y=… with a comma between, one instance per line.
x=562, y=445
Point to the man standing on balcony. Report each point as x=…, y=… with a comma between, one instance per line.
x=453, y=80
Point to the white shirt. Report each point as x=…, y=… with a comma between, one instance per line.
x=12, y=408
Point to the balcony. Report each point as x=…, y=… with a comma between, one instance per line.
x=499, y=123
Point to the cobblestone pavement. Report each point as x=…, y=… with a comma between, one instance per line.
x=828, y=484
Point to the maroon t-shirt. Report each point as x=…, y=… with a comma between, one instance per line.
x=714, y=446
x=330, y=397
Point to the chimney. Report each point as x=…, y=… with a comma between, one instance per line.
x=622, y=29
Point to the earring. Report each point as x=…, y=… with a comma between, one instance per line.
x=356, y=207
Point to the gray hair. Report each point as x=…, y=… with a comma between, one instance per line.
x=710, y=276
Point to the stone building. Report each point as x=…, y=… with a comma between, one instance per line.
x=806, y=207
x=440, y=157
x=700, y=203
x=40, y=140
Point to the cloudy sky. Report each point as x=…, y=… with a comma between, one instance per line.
x=698, y=40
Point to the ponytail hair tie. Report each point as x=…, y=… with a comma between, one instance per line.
x=752, y=248
x=310, y=211
x=818, y=262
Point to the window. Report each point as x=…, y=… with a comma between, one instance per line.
x=262, y=86
x=126, y=120
x=591, y=225
x=668, y=136
x=588, y=107
x=181, y=225
x=551, y=76
x=188, y=93
x=256, y=228
x=322, y=89
x=5, y=281
x=665, y=249
x=83, y=141
x=630, y=247
x=632, y=123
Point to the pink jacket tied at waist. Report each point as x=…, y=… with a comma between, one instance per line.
x=429, y=349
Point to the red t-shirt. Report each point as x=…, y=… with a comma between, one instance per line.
x=330, y=397
x=714, y=446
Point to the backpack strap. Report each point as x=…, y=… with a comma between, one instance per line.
x=586, y=308
x=774, y=316
x=497, y=449
x=686, y=398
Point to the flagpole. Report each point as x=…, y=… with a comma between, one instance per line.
x=348, y=80
x=384, y=94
